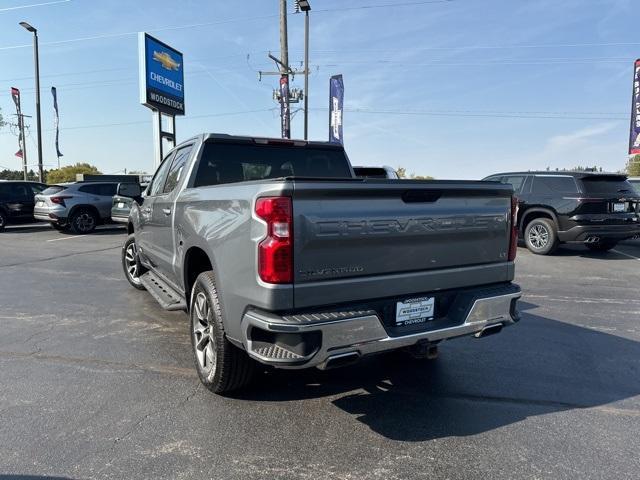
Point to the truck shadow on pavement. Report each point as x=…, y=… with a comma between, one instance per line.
x=540, y=366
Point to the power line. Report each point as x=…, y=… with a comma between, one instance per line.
x=20, y=7
x=519, y=115
x=219, y=22
x=146, y=122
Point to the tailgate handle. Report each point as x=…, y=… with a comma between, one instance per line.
x=420, y=196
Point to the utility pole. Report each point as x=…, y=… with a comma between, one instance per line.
x=285, y=107
x=284, y=95
x=305, y=6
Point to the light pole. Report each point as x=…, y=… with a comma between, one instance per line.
x=31, y=29
x=305, y=6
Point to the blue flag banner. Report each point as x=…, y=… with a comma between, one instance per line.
x=336, y=104
x=56, y=120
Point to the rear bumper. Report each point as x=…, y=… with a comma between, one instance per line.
x=604, y=232
x=267, y=337
x=117, y=219
x=47, y=214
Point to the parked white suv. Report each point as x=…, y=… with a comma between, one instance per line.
x=79, y=206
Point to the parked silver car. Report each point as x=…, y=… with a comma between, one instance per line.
x=79, y=206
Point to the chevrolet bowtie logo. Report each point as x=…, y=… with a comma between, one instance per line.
x=166, y=60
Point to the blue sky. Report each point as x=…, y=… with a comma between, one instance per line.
x=453, y=89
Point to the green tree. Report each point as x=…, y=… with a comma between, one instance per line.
x=68, y=173
x=1, y=119
x=633, y=167
x=18, y=175
x=402, y=173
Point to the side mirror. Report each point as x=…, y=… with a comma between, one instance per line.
x=132, y=190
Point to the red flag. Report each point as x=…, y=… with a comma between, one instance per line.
x=19, y=153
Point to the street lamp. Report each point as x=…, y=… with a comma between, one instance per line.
x=305, y=6
x=33, y=30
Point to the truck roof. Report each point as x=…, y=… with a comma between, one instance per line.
x=223, y=137
x=563, y=174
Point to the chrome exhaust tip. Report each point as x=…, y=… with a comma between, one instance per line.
x=490, y=330
x=340, y=360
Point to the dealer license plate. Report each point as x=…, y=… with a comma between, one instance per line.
x=415, y=310
x=619, y=207
x=120, y=204
x=40, y=203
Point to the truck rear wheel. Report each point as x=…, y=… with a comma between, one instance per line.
x=222, y=367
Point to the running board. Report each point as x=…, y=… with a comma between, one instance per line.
x=165, y=295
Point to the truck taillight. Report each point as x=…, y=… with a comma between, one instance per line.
x=513, y=242
x=275, y=252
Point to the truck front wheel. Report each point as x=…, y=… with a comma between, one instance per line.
x=222, y=367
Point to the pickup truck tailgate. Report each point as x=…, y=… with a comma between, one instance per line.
x=412, y=236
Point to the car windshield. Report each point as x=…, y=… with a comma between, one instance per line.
x=53, y=190
x=606, y=184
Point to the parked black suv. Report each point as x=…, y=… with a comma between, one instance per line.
x=595, y=209
x=16, y=201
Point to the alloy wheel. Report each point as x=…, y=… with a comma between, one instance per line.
x=131, y=262
x=205, y=348
x=539, y=236
x=85, y=222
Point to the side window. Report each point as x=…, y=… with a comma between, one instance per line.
x=37, y=188
x=21, y=192
x=90, y=189
x=4, y=191
x=495, y=178
x=515, y=181
x=552, y=185
x=177, y=168
x=157, y=184
x=108, y=189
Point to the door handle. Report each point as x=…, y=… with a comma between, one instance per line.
x=166, y=211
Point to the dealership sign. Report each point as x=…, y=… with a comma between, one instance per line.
x=161, y=76
x=634, y=139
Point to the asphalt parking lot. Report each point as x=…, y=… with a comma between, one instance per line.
x=97, y=382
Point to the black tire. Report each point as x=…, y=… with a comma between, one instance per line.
x=222, y=367
x=541, y=237
x=83, y=221
x=3, y=220
x=133, y=270
x=602, y=246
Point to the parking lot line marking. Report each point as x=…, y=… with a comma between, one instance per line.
x=67, y=238
x=625, y=254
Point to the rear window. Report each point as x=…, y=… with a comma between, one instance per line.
x=610, y=184
x=52, y=190
x=553, y=184
x=370, y=172
x=229, y=163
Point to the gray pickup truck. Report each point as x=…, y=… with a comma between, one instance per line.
x=281, y=256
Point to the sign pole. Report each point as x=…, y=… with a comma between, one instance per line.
x=157, y=138
x=161, y=89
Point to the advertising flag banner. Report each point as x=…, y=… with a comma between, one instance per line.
x=634, y=139
x=161, y=76
x=336, y=104
x=56, y=119
x=15, y=94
